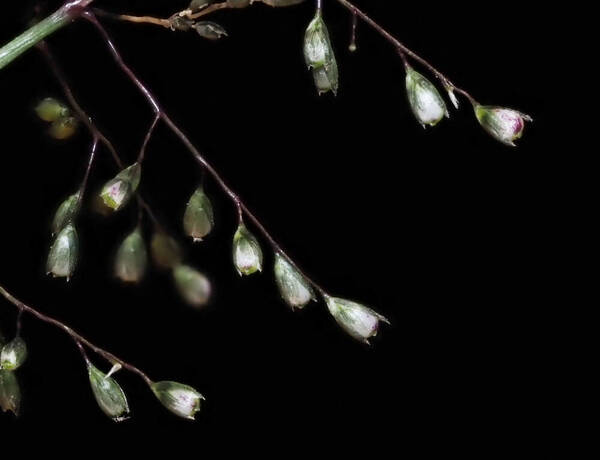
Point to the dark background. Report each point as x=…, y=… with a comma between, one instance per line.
x=434, y=229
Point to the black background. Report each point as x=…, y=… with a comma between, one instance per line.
x=434, y=229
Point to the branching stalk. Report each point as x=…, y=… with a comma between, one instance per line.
x=60, y=18
x=79, y=339
x=88, y=122
x=404, y=50
x=159, y=111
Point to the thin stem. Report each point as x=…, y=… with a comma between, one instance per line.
x=19, y=319
x=403, y=57
x=210, y=9
x=82, y=351
x=79, y=339
x=88, y=122
x=352, y=46
x=88, y=169
x=152, y=100
x=404, y=49
x=60, y=18
x=136, y=19
x=147, y=139
x=167, y=23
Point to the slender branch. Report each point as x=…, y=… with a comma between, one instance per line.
x=79, y=339
x=405, y=50
x=209, y=9
x=147, y=139
x=352, y=46
x=168, y=23
x=88, y=122
x=60, y=18
x=152, y=100
x=137, y=19
x=89, y=168
x=19, y=321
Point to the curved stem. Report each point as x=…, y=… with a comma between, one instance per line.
x=88, y=122
x=79, y=339
x=152, y=100
x=147, y=139
x=86, y=176
x=137, y=19
x=60, y=18
x=404, y=50
x=167, y=23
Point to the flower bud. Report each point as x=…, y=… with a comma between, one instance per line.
x=210, y=30
x=50, y=110
x=181, y=23
x=166, y=252
x=504, y=125
x=180, y=399
x=63, y=128
x=247, y=255
x=131, y=259
x=65, y=213
x=198, y=219
x=357, y=320
x=13, y=354
x=109, y=395
x=293, y=287
x=193, y=286
x=426, y=103
x=62, y=258
x=118, y=191
x=319, y=55
x=10, y=392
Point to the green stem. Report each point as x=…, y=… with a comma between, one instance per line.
x=60, y=18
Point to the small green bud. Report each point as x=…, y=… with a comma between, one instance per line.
x=62, y=258
x=166, y=252
x=109, y=395
x=504, y=125
x=13, y=354
x=319, y=55
x=357, y=320
x=180, y=399
x=132, y=258
x=50, y=110
x=426, y=103
x=293, y=287
x=193, y=286
x=247, y=255
x=210, y=30
x=10, y=392
x=181, y=23
x=117, y=192
x=198, y=219
x=63, y=128
x=65, y=213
